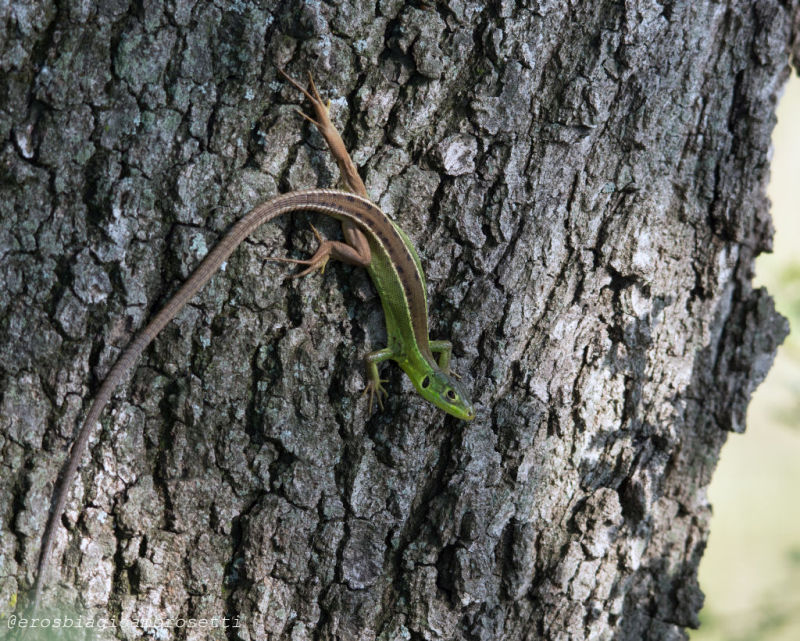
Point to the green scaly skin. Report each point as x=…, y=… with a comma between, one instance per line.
x=407, y=331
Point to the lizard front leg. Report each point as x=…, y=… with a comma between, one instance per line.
x=352, y=181
x=375, y=383
x=445, y=351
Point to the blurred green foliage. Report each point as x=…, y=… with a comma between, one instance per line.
x=751, y=570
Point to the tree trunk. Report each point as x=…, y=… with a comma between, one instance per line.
x=585, y=186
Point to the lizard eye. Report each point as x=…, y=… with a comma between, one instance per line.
x=451, y=395
x=425, y=382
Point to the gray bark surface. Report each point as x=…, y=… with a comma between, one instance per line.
x=585, y=186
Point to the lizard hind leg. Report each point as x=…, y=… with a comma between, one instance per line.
x=323, y=123
x=321, y=108
x=326, y=250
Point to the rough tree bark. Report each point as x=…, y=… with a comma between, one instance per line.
x=585, y=185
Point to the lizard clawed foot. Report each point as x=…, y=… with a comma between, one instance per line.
x=320, y=107
x=375, y=388
x=317, y=262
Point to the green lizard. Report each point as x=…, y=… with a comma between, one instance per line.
x=372, y=241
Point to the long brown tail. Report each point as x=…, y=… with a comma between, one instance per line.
x=311, y=200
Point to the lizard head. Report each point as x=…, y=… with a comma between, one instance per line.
x=446, y=393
